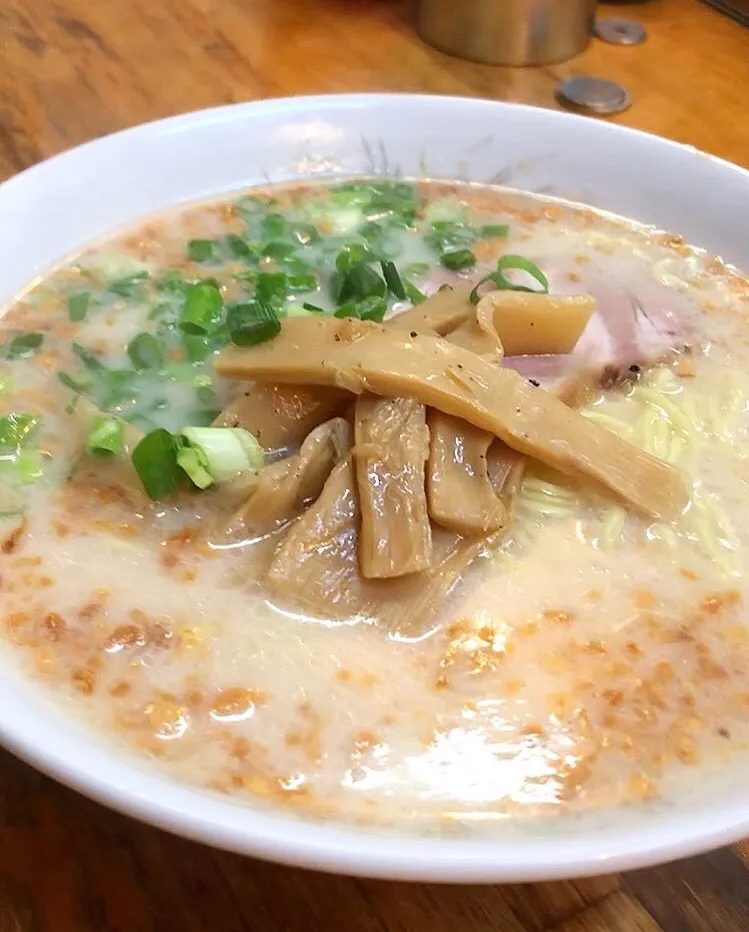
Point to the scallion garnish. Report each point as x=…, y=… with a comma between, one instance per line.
x=357, y=282
x=202, y=309
x=106, y=435
x=90, y=360
x=240, y=247
x=305, y=234
x=302, y=283
x=224, y=451
x=450, y=236
x=393, y=279
x=78, y=305
x=203, y=250
x=15, y=429
x=495, y=229
x=371, y=308
x=29, y=466
x=506, y=263
x=525, y=265
x=24, y=344
x=313, y=308
x=412, y=292
x=155, y=461
x=197, y=348
x=458, y=260
x=352, y=254
x=172, y=281
x=252, y=323
x=274, y=227
x=272, y=289
x=193, y=463
x=347, y=310
x=128, y=285
x=145, y=351
x=78, y=384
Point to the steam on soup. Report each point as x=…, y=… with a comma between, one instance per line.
x=386, y=501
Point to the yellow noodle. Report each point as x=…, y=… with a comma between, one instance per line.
x=677, y=416
x=610, y=422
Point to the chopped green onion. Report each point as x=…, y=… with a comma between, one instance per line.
x=393, y=279
x=302, y=283
x=279, y=251
x=397, y=201
x=347, y=310
x=81, y=382
x=159, y=307
x=305, y=234
x=519, y=262
x=155, y=461
x=115, y=387
x=29, y=466
x=24, y=344
x=15, y=429
x=506, y=263
x=417, y=269
x=128, y=285
x=145, y=351
x=412, y=292
x=197, y=348
x=449, y=236
x=252, y=323
x=495, y=229
x=90, y=360
x=202, y=308
x=106, y=435
x=352, y=254
x=203, y=250
x=225, y=451
x=458, y=260
x=271, y=289
x=371, y=308
x=194, y=464
x=171, y=281
x=313, y=308
x=78, y=305
x=358, y=282
x=274, y=226
x=240, y=247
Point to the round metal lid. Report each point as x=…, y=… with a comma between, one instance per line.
x=619, y=31
x=595, y=95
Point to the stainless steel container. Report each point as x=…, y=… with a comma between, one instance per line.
x=507, y=32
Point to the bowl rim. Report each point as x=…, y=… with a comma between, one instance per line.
x=348, y=849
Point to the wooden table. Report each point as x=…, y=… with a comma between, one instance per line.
x=71, y=70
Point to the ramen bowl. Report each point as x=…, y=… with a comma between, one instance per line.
x=59, y=206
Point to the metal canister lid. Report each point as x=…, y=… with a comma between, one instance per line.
x=619, y=31
x=595, y=95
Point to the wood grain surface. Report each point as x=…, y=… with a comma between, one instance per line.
x=71, y=70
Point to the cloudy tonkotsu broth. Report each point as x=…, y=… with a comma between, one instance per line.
x=588, y=655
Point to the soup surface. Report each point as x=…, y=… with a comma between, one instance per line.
x=588, y=656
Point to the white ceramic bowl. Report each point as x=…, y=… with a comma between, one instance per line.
x=61, y=204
